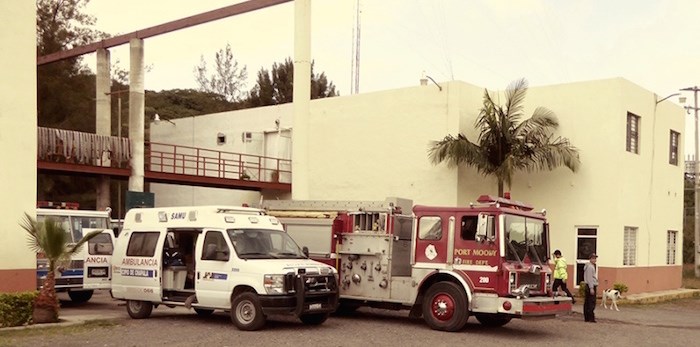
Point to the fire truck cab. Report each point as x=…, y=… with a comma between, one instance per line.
x=443, y=263
x=234, y=259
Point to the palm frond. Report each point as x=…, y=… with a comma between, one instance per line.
x=31, y=226
x=456, y=151
x=556, y=153
x=541, y=123
x=515, y=96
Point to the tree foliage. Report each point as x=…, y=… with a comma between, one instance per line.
x=276, y=86
x=227, y=79
x=179, y=103
x=688, y=221
x=506, y=144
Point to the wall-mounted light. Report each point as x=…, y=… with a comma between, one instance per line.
x=220, y=139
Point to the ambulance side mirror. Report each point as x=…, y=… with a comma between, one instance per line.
x=305, y=250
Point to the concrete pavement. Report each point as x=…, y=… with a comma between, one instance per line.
x=669, y=310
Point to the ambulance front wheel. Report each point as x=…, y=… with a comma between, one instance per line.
x=445, y=307
x=139, y=309
x=246, y=312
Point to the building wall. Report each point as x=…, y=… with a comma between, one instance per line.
x=613, y=188
x=18, y=140
x=370, y=146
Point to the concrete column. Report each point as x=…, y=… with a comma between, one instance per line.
x=136, y=114
x=302, y=96
x=103, y=119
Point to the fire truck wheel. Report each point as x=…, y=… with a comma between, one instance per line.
x=313, y=319
x=492, y=320
x=445, y=307
x=246, y=312
x=80, y=297
x=138, y=309
x=204, y=312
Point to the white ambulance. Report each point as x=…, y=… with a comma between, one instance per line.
x=235, y=259
x=88, y=269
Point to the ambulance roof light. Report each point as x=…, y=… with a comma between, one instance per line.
x=162, y=216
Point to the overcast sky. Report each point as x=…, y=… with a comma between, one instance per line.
x=653, y=43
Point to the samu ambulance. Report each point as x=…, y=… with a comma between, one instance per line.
x=235, y=259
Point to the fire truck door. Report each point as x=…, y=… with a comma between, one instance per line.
x=479, y=258
x=213, y=259
x=432, y=240
x=97, y=261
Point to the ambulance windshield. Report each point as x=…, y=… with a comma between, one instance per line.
x=525, y=236
x=264, y=244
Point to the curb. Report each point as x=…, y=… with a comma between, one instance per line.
x=659, y=298
x=62, y=322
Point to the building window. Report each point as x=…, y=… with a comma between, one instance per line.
x=671, y=247
x=629, y=256
x=632, y=133
x=673, y=148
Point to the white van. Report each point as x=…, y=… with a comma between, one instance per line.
x=235, y=259
x=88, y=269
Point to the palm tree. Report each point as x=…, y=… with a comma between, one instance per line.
x=506, y=144
x=51, y=239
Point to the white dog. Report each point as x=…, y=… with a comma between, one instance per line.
x=613, y=295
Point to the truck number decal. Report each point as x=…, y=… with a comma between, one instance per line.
x=483, y=279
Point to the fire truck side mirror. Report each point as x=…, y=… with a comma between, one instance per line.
x=305, y=250
x=485, y=230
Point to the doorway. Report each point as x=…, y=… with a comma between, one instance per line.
x=586, y=243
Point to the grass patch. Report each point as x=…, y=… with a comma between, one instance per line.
x=55, y=330
x=689, y=279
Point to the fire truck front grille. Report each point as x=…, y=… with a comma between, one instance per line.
x=533, y=280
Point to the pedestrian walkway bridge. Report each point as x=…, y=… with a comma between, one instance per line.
x=85, y=154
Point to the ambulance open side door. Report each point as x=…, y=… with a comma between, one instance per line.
x=213, y=266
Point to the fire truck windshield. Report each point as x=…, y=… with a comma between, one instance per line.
x=525, y=236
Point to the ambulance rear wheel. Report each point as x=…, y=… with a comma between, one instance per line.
x=313, y=319
x=246, y=312
x=445, y=307
x=139, y=309
x=492, y=320
x=81, y=296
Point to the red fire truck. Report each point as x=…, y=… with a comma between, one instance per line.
x=487, y=259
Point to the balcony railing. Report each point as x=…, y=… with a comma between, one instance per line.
x=161, y=157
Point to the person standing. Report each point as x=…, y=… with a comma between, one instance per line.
x=591, y=278
x=560, y=276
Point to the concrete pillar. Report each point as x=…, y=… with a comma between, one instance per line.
x=302, y=96
x=103, y=119
x=136, y=114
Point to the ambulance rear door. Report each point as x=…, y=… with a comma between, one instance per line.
x=98, y=260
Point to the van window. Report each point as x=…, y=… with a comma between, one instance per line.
x=142, y=244
x=215, y=247
x=100, y=245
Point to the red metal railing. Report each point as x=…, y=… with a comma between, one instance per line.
x=185, y=160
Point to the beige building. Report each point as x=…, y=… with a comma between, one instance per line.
x=625, y=203
x=18, y=142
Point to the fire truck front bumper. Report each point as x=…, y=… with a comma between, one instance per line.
x=537, y=307
x=525, y=308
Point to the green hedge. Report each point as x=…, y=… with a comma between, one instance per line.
x=16, y=308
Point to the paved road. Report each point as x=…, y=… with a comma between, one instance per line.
x=633, y=326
